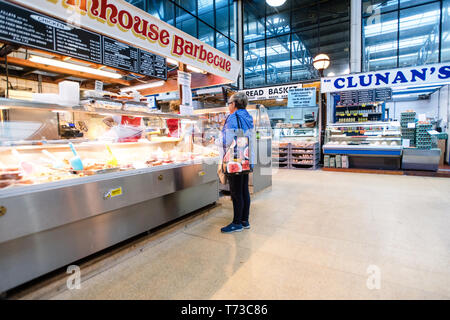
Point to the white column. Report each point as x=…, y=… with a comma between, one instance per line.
x=355, y=36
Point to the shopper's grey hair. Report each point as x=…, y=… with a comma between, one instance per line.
x=240, y=100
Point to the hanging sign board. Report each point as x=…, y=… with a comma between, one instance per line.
x=32, y=29
x=302, y=97
x=117, y=19
x=428, y=74
x=277, y=92
x=184, y=78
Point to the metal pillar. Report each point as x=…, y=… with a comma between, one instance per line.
x=356, y=36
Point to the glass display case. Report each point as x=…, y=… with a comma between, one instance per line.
x=42, y=143
x=371, y=145
x=76, y=180
x=369, y=134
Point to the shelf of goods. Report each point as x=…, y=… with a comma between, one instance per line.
x=53, y=215
x=296, y=155
x=359, y=113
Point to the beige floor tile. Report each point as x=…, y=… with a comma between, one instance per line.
x=313, y=235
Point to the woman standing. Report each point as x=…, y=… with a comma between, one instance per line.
x=239, y=118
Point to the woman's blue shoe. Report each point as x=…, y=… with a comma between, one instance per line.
x=245, y=225
x=232, y=228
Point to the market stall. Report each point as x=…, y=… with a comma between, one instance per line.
x=85, y=161
x=294, y=117
x=392, y=119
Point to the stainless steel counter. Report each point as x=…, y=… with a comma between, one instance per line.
x=48, y=226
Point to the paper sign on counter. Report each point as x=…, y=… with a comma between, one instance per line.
x=406, y=143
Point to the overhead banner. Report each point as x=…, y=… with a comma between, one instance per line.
x=422, y=75
x=302, y=97
x=277, y=92
x=122, y=21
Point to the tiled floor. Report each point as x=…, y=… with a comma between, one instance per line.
x=314, y=235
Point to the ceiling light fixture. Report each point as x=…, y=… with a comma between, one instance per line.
x=75, y=67
x=275, y=3
x=143, y=86
x=172, y=61
x=194, y=69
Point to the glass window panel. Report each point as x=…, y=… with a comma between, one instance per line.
x=278, y=60
x=222, y=19
x=205, y=33
x=302, y=68
x=277, y=19
x=138, y=3
x=376, y=7
x=186, y=22
x=409, y=3
x=233, y=22
x=233, y=48
x=445, y=46
x=254, y=64
x=253, y=27
x=189, y=5
x=161, y=9
x=419, y=35
x=206, y=11
x=380, y=42
x=222, y=43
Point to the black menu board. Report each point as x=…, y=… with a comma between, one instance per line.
x=383, y=94
x=152, y=65
x=28, y=28
x=120, y=55
x=365, y=96
x=79, y=43
x=22, y=26
x=348, y=97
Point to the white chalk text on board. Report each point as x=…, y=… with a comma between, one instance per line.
x=428, y=74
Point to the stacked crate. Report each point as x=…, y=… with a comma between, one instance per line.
x=280, y=155
x=408, y=133
x=423, y=138
x=304, y=155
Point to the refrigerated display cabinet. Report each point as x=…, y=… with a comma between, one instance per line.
x=373, y=145
x=134, y=178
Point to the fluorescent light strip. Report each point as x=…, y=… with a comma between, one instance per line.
x=172, y=61
x=194, y=69
x=75, y=67
x=143, y=86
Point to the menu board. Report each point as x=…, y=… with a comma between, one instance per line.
x=120, y=55
x=383, y=94
x=31, y=29
x=79, y=43
x=365, y=96
x=152, y=65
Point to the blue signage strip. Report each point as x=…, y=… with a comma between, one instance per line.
x=428, y=74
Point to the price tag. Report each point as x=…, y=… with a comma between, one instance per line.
x=406, y=143
x=98, y=85
x=411, y=125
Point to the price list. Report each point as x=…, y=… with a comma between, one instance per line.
x=21, y=26
x=152, y=65
x=365, y=96
x=120, y=55
x=79, y=43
